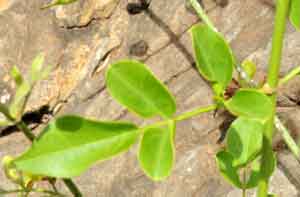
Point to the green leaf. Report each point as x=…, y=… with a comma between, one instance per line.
x=17, y=106
x=255, y=175
x=58, y=2
x=244, y=140
x=71, y=144
x=228, y=171
x=16, y=75
x=250, y=103
x=36, y=68
x=156, y=156
x=249, y=67
x=214, y=58
x=270, y=159
x=295, y=13
x=135, y=87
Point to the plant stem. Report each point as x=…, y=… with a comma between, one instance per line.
x=72, y=187
x=195, y=112
x=201, y=13
x=289, y=76
x=287, y=138
x=282, y=9
x=27, y=132
x=183, y=116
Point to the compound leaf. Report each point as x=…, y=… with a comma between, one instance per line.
x=135, y=87
x=71, y=144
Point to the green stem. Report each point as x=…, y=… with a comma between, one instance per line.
x=289, y=76
x=27, y=132
x=282, y=9
x=183, y=116
x=195, y=112
x=202, y=14
x=287, y=138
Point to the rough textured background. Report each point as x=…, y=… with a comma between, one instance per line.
x=81, y=39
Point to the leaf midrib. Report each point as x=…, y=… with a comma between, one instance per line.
x=129, y=86
x=74, y=147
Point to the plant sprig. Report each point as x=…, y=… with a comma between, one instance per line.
x=70, y=144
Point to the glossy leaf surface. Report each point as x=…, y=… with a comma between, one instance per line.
x=156, y=154
x=135, y=87
x=71, y=144
x=214, y=58
x=250, y=103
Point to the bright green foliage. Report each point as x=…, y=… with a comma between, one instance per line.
x=58, y=2
x=36, y=67
x=250, y=103
x=37, y=71
x=17, y=76
x=157, y=153
x=270, y=162
x=295, y=13
x=254, y=175
x=5, y=111
x=134, y=86
x=213, y=55
x=244, y=140
x=19, y=100
x=70, y=145
x=249, y=67
x=228, y=171
x=24, y=87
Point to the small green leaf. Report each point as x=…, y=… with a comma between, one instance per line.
x=58, y=2
x=16, y=75
x=249, y=67
x=244, y=140
x=295, y=13
x=214, y=58
x=71, y=144
x=135, y=87
x=36, y=68
x=250, y=103
x=228, y=171
x=17, y=106
x=156, y=154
